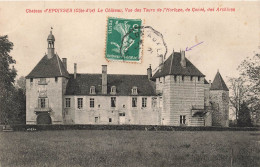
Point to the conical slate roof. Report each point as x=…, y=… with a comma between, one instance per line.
x=49, y=68
x=218, y=83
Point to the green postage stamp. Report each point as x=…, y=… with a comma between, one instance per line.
x=123, y=41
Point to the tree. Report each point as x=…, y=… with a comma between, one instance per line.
x=237, y=93
x=21, y=83
x=244, y=117
x=6, y=80
x=250, y=71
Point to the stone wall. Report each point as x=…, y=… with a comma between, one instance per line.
x=180, y=95
x=220, y=105
x=103, y=113
x=53, y=91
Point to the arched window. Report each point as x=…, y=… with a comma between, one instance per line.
x=113, y=90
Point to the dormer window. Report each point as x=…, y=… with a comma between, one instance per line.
x=113, y=90
x=92, y=90
x=134, y=90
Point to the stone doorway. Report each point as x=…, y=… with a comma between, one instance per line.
x=44, y=118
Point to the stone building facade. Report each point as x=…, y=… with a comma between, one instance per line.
x=177, y=94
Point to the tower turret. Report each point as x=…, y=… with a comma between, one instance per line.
x=50, y=40
x=219, y=97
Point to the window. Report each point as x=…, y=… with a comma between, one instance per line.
x=191, y=78
x=67, y=102
x=56, y=79
x=96, y=119
x=134, y=102
x=109, y=119
x=175, y=78
x=154, y=102
x=113, y=101
x=182, y=119
x=80, y=103
x=31, y=79
x=182, y=77
x=144, y=102
x=42, y=103
x=113, y=90
x=122, y=114
x=134, y=90
x=198, y=78
x=161, y=102
x=92, y=90
x=91, y=102
x=42, y=81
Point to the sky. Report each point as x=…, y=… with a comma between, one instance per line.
x=225, y=38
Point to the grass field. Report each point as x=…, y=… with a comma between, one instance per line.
x=130, y=148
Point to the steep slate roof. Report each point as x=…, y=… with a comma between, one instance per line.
x=124, y=84
x=48, y=68
x=218, y=83
x=205, y=81
x=172, y=66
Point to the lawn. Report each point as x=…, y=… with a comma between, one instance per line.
x=130, y=148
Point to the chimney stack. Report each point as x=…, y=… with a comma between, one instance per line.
x=160, y=63
x=64, y=60
x=149, y=72
x=75, y=70
x=104, y=79
x=183, y=60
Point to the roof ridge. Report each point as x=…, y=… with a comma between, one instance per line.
x=58, y=63
x=171, y=63
x=109, y=74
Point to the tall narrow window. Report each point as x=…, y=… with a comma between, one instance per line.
x=80, y=103
x=31, y=79
x=113, y=101
x=175, y=78
x=91, y=102
x=182, y=77
x=144, y=102
x=42, y=103
x=154, y=102
x=56, y=79
x=191, y=78
x=96, y=119
x=161, y=102
x=198, y=78
x=67, y=102
x=182, y=119
x=134, y=102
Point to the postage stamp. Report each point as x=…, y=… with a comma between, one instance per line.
x=123, y=39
